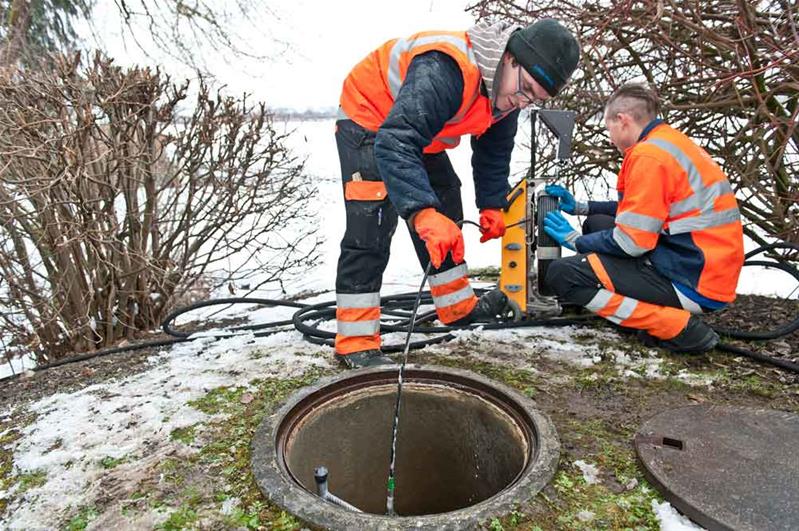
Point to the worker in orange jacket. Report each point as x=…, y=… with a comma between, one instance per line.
x=670, y=248
x=401, y=107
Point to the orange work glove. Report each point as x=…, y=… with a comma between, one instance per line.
x=492, y=225
x=440, y=234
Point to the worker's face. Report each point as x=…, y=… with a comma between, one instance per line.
x=622, y=131
x=517, y=88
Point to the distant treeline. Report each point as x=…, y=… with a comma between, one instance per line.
x=322, y=113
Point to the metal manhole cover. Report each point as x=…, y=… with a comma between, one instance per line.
x=725, y=467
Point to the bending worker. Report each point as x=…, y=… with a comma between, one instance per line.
x=401, y=107
x=671, y=247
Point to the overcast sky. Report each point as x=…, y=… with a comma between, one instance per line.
x=313, y=43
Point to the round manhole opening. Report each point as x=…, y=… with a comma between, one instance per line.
x=468, y=448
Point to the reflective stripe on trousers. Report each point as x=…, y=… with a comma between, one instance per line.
x=357, y=322
x=452, y=294
x=663, y=322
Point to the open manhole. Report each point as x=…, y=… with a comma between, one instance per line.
x=468, y=449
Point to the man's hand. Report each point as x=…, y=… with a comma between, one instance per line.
x=567, y=202
x=440, y=234
x=560, y=230
x=492, y=224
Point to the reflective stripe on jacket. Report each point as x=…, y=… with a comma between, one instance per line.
x=678, y=204
x=372, y=86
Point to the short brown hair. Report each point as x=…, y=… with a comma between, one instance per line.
x=635, y=99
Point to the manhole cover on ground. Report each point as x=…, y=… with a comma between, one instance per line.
x=725, y=467
x=468, y=449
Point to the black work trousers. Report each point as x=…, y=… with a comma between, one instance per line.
x=627, y=291
x=371, y=222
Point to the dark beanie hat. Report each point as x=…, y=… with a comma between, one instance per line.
x=548, y=51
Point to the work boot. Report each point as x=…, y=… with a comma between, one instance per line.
x=695, y=338
x=365, y=358
x=491, y=307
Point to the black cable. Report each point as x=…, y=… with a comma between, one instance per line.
x=115, y=350
x=167, y=324
x=397, y=308
x=757, y=356
x=395, y=424
x=771, y=247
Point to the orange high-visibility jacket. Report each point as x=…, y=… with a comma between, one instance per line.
x=678, y=204
x=371, y=86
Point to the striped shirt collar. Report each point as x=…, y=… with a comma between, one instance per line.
x=489, y=42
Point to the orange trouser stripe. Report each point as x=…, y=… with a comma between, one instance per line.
x=449, y=287
x=600, y=271
x=357, y=322
x=459, y=310
x=357, y=314
x=350, y=344
x=663, y=322
x=613, y=304
x=452, y=294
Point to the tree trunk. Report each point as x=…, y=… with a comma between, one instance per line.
x=19, y=17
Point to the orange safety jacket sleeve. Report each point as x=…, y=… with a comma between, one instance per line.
x=641, y=213
x=430, y=95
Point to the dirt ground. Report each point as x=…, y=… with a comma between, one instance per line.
x=596, y=411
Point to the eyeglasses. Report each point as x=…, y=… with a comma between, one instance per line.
x=525, y=99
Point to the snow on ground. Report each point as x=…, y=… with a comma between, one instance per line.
x=590, y=471
x=670, y=519
x=132, y=418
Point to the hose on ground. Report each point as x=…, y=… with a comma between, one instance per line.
x=395, y=310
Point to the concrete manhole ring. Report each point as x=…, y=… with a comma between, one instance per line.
x=468, y=449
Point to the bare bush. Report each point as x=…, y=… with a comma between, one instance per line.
x=726, y=70
x=112, y=206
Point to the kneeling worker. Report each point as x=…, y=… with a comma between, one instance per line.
x=672, y=246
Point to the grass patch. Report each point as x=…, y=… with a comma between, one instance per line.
x=81, y=521
x=109, y=462
x=182, y=518
x=524, y=380
x=219, y=400
x=485, y=273
x=601, y=376
x=192, y=488
x=583, y=506
x=185, y=435
x=31, y=480
x=7, y=477
x=752, y=384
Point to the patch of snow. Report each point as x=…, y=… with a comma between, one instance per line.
x=133, y=417
x=646, y=367
x=590, y=472
x=229, y=505
x=16, y=365
x=694, y=379
x=671, y=520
